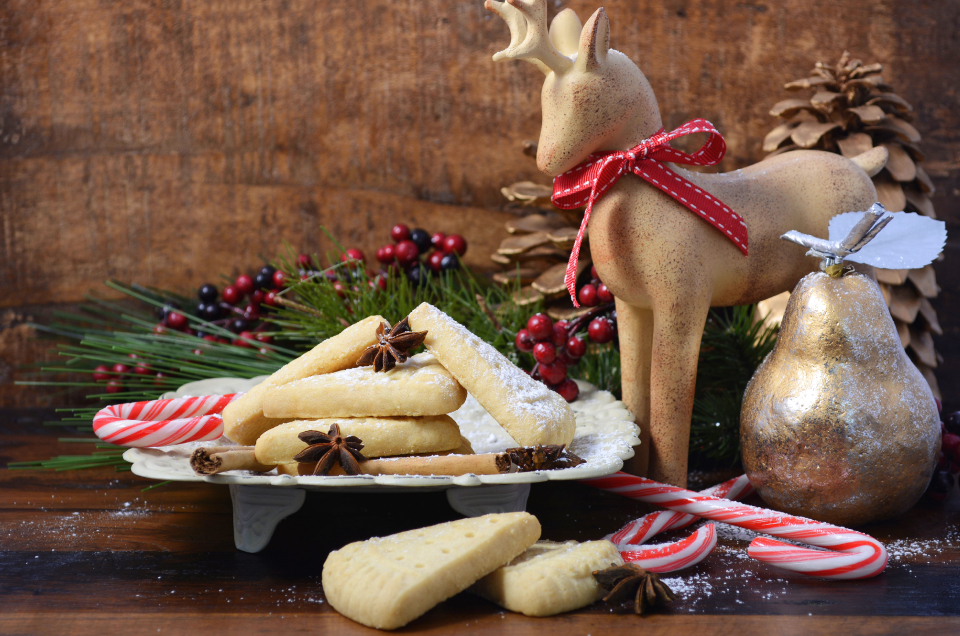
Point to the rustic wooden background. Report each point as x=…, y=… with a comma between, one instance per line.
x=167, y=141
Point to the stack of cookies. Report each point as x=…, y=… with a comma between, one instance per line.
x=398, y=405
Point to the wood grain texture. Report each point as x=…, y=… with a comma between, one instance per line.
x=167, y=141
x=88, y=552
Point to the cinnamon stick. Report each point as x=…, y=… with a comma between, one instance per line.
x=484, y=464
x=218, y=459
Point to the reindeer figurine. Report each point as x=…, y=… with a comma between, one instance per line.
x=665, y=263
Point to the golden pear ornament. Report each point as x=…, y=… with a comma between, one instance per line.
x=837, y=424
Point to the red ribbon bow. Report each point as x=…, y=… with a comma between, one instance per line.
x=603, y=169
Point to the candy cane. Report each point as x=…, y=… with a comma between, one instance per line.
x=852, y=555
x=641, y=530
x=163, y=422
x=670, y=557
x=678, y=555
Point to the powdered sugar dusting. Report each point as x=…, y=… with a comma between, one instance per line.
x=528, y=404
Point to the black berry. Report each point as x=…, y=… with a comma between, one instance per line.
x=238, y=324
x=952, y=422
x=418, y=274
x=449, y=263
x=264, y=280
x=211, y=312
x=207, y=293
x=269, y=270
x=422, y=239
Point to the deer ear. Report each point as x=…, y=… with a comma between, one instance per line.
x=565, y=32
x=594, y=42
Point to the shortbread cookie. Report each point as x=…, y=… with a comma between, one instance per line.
x=549, y=577
x=387, y=582
x=381, y=436
x=419, y=386
x=528, y=410
x=244, y=420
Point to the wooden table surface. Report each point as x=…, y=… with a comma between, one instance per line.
x=88, y=552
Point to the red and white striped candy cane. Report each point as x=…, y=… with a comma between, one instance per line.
x=163, y=422
x=643, y=529
x=670, y=557
x=852, y=555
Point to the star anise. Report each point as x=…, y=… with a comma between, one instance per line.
x=550, y=457
x=392, y=346
x=327, y=449
x=630, y=579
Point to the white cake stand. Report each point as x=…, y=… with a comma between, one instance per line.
x=605, y=437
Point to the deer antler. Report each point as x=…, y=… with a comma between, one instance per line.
x=529, y=41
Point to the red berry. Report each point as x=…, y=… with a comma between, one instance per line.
x=159, y=378
x=244, y=284
x=249, y=335
x=588, y=296
x=102, y=373
x=278, y=279
x=559, y=336
x=434, y=260
x=381, y=282
x=211, y=338
x=600, y=330
x=114, y=386
x=540, y=327
x=576, y=347
x=176, y=320
x=568, y=390
x=943, y=462
x=399, y=232
x=437, y=240
x=544, y=352
x=271, y=299
x=132, y=356
x=567, y=360
x=159, y=329
x=553, y=373
x=939, y=404
x=386, y=254
x=352, y=256
x=604, y=294
x=305, y=261
x=142, y=368
x=120, y=368
x=951, y=446
x=232, y=295
x=257, y=297
x=264, y=338
x=198, y=352
x=407, y=252
x=593, y=272
x=339, y=288
x=524, y=341
x=263, y=351
x=455, y=244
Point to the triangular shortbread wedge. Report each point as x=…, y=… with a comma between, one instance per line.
x=420, y=386
x=549, y=578
x=244, y=420
x=387, y=582
x=381, y=436
x=528, y=410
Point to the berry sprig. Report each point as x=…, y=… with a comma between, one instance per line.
x=557, y=346
x=411, y=252
x=948, y=464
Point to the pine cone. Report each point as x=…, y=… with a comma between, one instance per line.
x=538, y=248
x=852, y=110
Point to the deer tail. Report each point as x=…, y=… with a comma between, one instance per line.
x=873, y=160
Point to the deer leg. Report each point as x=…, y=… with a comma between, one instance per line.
x=635, y=329
x=676, y=349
